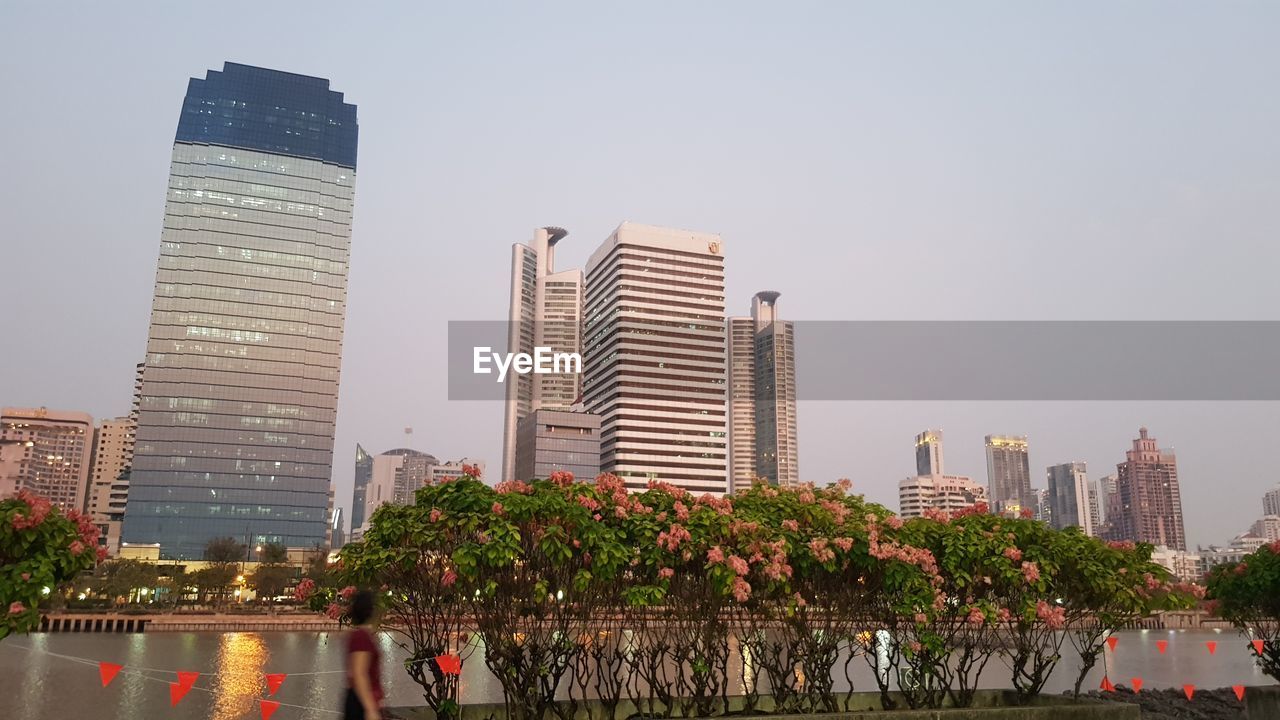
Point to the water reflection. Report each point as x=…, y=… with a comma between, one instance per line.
x=238, y=682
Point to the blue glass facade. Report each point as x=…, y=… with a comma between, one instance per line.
x=239, y=394
x=275, y=112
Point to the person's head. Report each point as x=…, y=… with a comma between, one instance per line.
x=362, y=608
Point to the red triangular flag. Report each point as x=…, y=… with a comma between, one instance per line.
x=187, y=679
x=108, y=672
x=449, y=664
x=1137, y=684
x=177, y=692
x=1213, y=647
x=1111, y=642
x=1239, y=692
x=1257, y=646
x=274, y=680
x=268, y=708
x=1106, y=684
x=1162, y=645
x=1189, y=690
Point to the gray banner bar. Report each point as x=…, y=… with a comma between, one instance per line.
x=991, y=360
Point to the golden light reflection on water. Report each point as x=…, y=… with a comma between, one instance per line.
x=242, y=659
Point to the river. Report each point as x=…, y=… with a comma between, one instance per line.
x=54, y=676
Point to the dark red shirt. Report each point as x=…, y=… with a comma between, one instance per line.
x=361, y=640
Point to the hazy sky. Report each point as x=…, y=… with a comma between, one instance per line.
x=868, y=160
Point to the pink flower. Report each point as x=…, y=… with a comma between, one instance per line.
x=893, y=521
x=666, y=573
x=77, y=547
x=102, y=553
x=715, y=555
x=1013, y=554
x=497, y=509
x=741, y=590
x=915, y=647
x=921, y=618
x=563, y=478
x=738, y=565
x=471, y=470
x=435, y=515
x=1121, y=544
x=976, y=617
x=449, y=578
x=1003, y=614
x=347, y=592
x=844, y=543
x=17, y=608
x=334, y=611
x=304, y=590
x=800, y=601
x=1030, y=571
x=509, y=487
x=620, y=512
x=790, y=525
x=1053, y=617
x=821, y=553
x=682, y=512
x=597, y=517
x=26, y=576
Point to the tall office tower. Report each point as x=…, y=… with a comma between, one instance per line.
x=411, y=472
x=1271, y=502
x=654, y=357
x=1009, y=474
x=1150, y=501
x=1069, y=497
x=364, y=474
x=109, y=478
x=762, y=396
x=51, y=453
x=546, y=311
x=938, y=492
x=239, y=398
x=929, y=453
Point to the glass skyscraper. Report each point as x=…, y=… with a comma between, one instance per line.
x=239, y=398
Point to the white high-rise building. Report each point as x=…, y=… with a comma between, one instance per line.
x=109, y=478
x=1271, y=502
x=938, y=492
x=546, y=311
x=1069, y=497
x=654, y=357
x=762, y=396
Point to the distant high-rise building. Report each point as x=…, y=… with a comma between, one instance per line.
x=364, y=475
x=1266, y=527
x=550, y=441
x=109, y=478
x=240, y=393
x=546, y=311
x=1042, y=510
x=1009, y=474
x=1095, y=510
x=51, y=453
x=1107, y=499
x=1271, y=502
x=337, y=535
x=1149, y=506
x=929, y=453
x=1069, y=497
x=762, y=396
x=654, y=357
x=938, y=492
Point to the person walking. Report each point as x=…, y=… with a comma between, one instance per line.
x=364, y=661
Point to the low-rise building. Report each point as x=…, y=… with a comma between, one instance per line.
x=938, y=492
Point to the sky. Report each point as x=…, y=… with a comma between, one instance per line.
x=870, y=161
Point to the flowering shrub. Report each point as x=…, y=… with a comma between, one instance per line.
x=584, y=590
x=1248, y=594
x=40, y=547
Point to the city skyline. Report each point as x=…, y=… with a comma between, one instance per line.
x=921, y=192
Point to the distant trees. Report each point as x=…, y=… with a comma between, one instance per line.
x=274, y=574
x=122, y=580
x=224, y=550
x=1248, y=594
